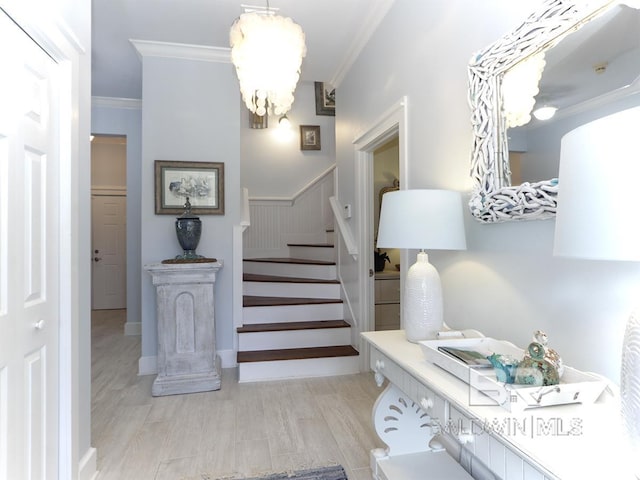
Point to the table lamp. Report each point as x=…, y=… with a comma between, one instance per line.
x=598, y=219
x=422, y=219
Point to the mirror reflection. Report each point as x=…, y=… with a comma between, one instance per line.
x=590, y=73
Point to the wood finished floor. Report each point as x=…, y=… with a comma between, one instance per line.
x=240, y=430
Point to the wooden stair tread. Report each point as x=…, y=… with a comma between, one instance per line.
x=287, y=326
x=296, y=353
x=313, y=245
x=256, y=301
x=293, y=261
x=254, y=277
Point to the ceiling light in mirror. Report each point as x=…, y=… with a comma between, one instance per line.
x=546, y=112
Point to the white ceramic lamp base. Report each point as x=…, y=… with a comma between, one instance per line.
x=422, y=313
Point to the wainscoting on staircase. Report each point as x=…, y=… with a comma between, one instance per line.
x=293, y=321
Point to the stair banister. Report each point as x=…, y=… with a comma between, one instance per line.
x=245, y=222
x=245, y=214
x=344, y=228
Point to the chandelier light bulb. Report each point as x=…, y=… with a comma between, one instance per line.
x=267, y=51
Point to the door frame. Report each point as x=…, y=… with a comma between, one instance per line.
x=391, y=123
x=57, y=39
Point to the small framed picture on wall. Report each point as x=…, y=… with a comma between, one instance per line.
x=310, y=137
x=325, y=99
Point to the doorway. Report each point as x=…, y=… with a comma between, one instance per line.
x=108, y=222
x=392, y=124
x=386, y=174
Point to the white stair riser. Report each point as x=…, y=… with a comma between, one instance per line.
x=305, y=290
x=317, y=337
x=324, y=272
x=305, y=368
x=292, y=313
x=313, y=253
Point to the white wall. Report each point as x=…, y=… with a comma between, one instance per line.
x=273, y=165
x=190, y=112
x=507, y=284
x=124, y=117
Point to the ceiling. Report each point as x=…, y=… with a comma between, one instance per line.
x=601, y=57
x=334, y=29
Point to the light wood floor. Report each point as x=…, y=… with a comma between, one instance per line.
x=240, y=430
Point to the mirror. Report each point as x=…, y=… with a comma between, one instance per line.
x=494, y=198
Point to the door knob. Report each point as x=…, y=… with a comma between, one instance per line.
x=96, y=259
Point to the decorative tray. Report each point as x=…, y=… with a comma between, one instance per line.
x=575, y=386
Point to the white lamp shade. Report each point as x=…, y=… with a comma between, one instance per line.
x=598, y=215
x=598, y=218
x=424, y=219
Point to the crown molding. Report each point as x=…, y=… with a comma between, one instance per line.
x=114, y=102
x=147, y=48
x=369, y=25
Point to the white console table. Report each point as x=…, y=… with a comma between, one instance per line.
x=187, y=359
x=578, y=441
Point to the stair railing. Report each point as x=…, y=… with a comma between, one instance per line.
x=344, y=228
x=238, y=230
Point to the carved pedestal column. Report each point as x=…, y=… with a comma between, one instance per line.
x=187, y=360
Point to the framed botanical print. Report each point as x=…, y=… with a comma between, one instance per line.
x=201, y=182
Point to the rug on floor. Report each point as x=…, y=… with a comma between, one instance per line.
x=334, y=472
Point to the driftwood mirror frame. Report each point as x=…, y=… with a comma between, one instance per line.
x=494, y=199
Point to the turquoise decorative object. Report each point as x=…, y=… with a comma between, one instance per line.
x=504, y=366
x=535, y=369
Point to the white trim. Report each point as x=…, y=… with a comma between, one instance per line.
x=368, y=25
x=289, y=201
x=147, y=48
x=148, y=365
x=393, y=122
x=131, y=329
x=114, y=102
x=88, y=467
x=109, y=190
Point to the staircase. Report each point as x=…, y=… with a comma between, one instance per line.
x=293, y=324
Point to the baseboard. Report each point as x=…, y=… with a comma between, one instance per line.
x=133, y=328
x=148, y=365
x=88, y=467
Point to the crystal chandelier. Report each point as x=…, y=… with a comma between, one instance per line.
x=267, y=51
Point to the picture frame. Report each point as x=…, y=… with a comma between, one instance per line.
x=310, y=137
x=325, y=99
x=202, y=182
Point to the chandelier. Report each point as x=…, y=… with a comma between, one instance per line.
x=267, y=51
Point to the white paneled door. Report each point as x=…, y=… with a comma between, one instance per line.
x=109, y=285
x=29, y=258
